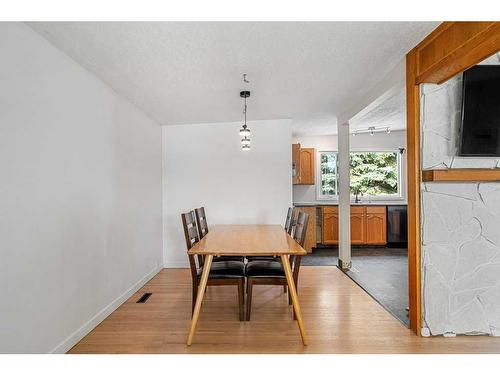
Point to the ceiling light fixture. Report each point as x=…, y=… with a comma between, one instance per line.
x=245, y=131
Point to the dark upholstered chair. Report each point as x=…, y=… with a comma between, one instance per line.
x=227, y=272
x=202, y=224
x=270, y=272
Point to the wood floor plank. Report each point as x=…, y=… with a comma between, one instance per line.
x=339, y=317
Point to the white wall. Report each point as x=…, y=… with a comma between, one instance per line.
x=361, y=142
x=460, y=227
x=80, y=196
x=203, y=165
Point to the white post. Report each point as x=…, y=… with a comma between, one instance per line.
x=344, y=197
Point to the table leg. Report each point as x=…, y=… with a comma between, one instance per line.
x=293, y=294
x=199, y=298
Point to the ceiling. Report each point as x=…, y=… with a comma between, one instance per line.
x=191, y=72
x=389, y=112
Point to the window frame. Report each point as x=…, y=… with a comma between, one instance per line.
x=319, y=195
x=370, y=198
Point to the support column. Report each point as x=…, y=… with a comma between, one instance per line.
x=344, y=196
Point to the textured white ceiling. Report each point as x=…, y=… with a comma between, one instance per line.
x=191, y=72
x=391, y=112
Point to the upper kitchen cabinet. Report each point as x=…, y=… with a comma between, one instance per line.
x=303, y=164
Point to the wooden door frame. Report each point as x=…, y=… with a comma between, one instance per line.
x=449, y=50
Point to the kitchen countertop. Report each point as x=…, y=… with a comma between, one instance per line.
x=309, y=204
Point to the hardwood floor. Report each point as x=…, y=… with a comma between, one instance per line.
x=339, y=317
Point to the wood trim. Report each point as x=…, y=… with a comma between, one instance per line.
x=413, y=168
x=296, y=163
x=454, y=47
x=461, y=175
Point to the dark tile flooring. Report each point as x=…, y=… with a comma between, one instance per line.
x=382, y=272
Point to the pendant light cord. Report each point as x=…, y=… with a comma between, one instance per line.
x=245, y=111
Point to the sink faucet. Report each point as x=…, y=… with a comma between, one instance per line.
x=357, y=198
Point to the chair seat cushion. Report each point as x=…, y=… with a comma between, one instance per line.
x=226, y=270
x=252, y=258
x=225, y=258
x=264, y=268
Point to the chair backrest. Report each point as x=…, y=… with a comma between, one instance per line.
x=290, y=216
x=190, y=231
x=299, y=234
x=201, y=221
x=192, y=237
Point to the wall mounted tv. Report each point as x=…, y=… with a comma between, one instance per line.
x=480, y=126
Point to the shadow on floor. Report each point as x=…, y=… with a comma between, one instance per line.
x=382, y=272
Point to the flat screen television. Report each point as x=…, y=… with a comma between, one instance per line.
x=480, y=125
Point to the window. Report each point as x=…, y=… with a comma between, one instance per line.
x=328, y=175
x=373, y=173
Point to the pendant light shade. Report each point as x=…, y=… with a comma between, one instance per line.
x=245, y=147
x=244, y=132
x=245, y=141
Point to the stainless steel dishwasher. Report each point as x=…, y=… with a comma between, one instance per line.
x=397, y=226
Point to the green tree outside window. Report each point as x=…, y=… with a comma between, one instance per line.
x=372, y=173
x=328, y=173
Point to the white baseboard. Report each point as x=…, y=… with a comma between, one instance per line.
x=80, y=333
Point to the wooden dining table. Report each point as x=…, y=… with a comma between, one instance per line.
x=247, y=240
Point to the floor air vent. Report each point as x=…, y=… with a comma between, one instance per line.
x=144, y=298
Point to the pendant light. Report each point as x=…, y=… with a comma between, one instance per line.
x=245, y=131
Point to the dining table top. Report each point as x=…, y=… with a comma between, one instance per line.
x=247, y=240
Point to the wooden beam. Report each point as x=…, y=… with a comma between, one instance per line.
x=413, y=160
x=454, y=47
x=461, y=175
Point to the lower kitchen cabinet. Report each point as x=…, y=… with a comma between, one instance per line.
x=368, y=225
x=330, y=226
x=358, y=225
x=376, y=225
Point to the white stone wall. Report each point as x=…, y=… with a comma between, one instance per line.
x=460, y=227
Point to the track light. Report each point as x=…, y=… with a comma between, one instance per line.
x=372, y=130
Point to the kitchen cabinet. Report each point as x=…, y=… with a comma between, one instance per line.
x=368, y=225
x=307, y=166
x=330, y=226
x=358, y=225
x=295, y=163
x=303, y=165
x=310, y=240
x=376, y=225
